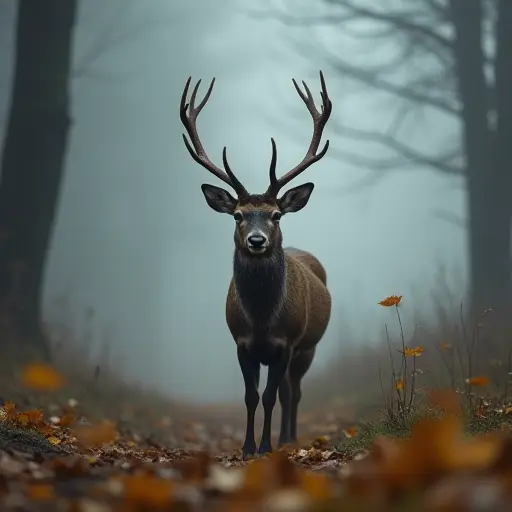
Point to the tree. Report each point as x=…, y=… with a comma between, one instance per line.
x=452, y=59
x=33, y=157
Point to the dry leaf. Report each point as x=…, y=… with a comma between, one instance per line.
x=104, y=432
x=478, y=381
x=40, y=492
x=147, y=490
x=41, y=376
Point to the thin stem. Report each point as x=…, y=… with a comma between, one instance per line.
x=404, y=357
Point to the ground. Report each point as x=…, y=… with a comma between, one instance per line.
x=54, y=458
x=76, y=437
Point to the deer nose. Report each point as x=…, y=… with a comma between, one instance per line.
x=257, y=240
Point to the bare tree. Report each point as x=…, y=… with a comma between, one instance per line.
x=451, y=60
x=35, y=147
x=33, y=157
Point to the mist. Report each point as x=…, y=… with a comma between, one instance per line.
x=136, y=243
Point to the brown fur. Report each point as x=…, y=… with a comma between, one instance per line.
x=295, y=322
x=306, y=310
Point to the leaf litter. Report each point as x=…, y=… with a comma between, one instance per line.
x=63, y=462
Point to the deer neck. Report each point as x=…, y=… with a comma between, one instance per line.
x=260, y=286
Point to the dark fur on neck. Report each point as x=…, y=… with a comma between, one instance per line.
x=259, y=283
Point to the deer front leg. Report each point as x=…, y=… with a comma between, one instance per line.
x=276, y=371
x=251, y=374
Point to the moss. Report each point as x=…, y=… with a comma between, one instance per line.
x=27, y=441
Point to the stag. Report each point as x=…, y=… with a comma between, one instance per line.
x=277, y=306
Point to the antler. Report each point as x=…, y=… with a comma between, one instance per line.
x=197, y=152
x=319, y=121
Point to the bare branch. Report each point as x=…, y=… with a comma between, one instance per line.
x=451, y=218
x=402, y=20
x=109, y=38
x=102, y=41
x=370, y=78
x=443, y=162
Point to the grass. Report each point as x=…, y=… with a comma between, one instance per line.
x=367, y=432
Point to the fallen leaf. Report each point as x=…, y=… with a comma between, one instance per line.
x=478, y=381
x=104, y=432
x=41, y=376
x=40, y=492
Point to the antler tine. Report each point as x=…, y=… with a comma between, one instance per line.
x=319, y=121
x=194, y=147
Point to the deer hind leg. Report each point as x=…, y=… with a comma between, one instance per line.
x=285, y=399
x=299, y=365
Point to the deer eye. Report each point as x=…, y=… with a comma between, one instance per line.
x=238, y=216
x=276, y=216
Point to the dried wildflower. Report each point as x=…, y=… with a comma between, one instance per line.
x=413, y=351
x=445, y=346
x=392, y=300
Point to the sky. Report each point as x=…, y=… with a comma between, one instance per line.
x=136, y=242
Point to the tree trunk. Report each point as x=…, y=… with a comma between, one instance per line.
x=489, y=224
x=33, y=158
x=503, y=140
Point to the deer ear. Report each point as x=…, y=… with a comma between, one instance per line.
x=296, y=198
x=219, y=199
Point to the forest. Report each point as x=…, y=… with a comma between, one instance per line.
x=122, y=388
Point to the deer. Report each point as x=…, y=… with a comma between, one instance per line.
x=278, y=306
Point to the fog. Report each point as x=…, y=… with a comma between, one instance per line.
x=135, y=240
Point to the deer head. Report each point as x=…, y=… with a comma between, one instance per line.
x=257, y=216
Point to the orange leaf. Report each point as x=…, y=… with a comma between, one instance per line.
x=40, y=492
x=35, y=416
x=23, y=419
x=45, y=429
x=350, y=432
x=103, y=433
x=392, y=300
x=147, y=490
x=67, y=419
x=42, y=377
x=317, y=485
x=478, y=381
x=9, y=407
x=400, y=384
